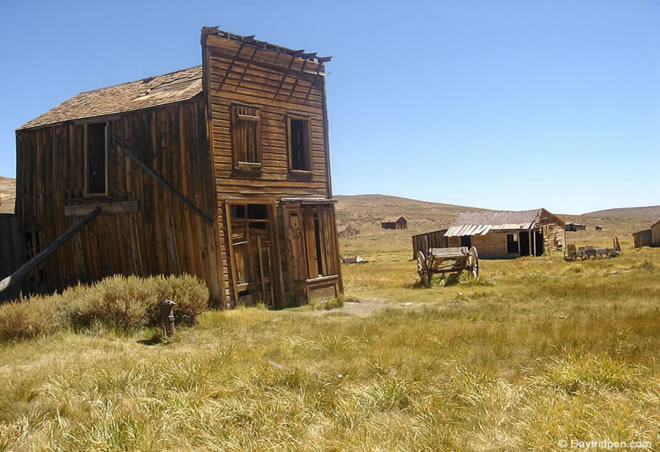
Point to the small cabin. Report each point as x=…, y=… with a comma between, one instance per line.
x=572, y=227
x=346, y=230
x=394, y=223
x=643, y=238
x=598, y=227
x=508, y=234
x=648, y=237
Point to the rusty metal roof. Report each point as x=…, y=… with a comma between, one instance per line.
x=148, y=92
x=481, y=223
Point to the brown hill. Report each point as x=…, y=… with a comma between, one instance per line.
x=649, y=212
x=7, y=194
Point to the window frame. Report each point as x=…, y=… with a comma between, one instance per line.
x=86, y=192
x=237, y=119
x=308, y=144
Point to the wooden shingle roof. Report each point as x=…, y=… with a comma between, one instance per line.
x=149, y=92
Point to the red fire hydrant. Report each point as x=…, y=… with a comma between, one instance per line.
x=167, y=316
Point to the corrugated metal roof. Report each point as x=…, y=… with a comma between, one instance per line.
x=483, y=229
x=480, y=223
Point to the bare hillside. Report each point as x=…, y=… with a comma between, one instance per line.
x=7, y=194
x=649, y=212
x=367, y=210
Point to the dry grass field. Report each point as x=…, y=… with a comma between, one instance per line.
x=534, y=352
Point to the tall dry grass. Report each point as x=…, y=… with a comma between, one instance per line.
x=534, y=352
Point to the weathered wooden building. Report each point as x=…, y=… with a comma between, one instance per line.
x=648, y=237
x=220, y=170
x=394, y=223
x=346, y=230
x=505, y=234
x=573, y=227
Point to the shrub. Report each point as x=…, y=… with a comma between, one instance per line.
x=189, y=293
x=117, y=302
x=28, y=318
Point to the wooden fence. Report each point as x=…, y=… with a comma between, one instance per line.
x=435, y=239
x=9, y=252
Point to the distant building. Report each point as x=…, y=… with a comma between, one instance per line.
x=648, y=237
x=394, y=223
x=572, y=226
x=598, y=227
x=346, y=230
x=506, y=234
x=643, y=238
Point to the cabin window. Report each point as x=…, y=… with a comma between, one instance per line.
x=299, y=147
x=246, y=137
x=96, y=155
x=512, y=244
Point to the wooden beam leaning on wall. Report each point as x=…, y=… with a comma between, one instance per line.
x=36, y=260
x=162, y=182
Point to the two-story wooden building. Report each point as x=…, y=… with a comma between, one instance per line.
x=220, y=170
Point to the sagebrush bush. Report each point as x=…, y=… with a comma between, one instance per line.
x=27, y=318
x=116, y=302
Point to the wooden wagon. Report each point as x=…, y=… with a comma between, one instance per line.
x=447, y=261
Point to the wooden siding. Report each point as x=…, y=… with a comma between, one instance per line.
x=655, y=234
x=277, y=86
x=436, y=239
x=161, y=237
x=10, y=252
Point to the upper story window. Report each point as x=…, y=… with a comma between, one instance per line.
x=96, y=159
x=246, y=137
x=299, y=144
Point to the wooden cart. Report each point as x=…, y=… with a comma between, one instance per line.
x=445, y=261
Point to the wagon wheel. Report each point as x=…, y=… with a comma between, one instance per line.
x=423, y=270
x=473, y=263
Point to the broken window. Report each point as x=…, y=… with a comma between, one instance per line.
x=298, y=136
x=95, y=159
x=246, y=137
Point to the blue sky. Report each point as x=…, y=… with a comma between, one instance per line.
x=499, y=104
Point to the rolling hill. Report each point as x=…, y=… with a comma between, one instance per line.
x=650, y=212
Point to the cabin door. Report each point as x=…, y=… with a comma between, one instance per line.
x=524, y=243
x=538, y=242
x=252, y=254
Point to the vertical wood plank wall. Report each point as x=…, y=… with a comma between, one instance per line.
x=277, y=84
x=10, y=252
x=162, y=237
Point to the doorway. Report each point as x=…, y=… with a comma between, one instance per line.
x=524, y=243
x=538, y=242
x=466, y=240
x=252, y=253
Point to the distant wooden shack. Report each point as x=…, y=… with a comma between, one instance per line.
x=572, y=226
x=506, y=234
x=346, y=230
x=648, y=237
x=598, y=227
x=643, y=238
x=394, y=223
